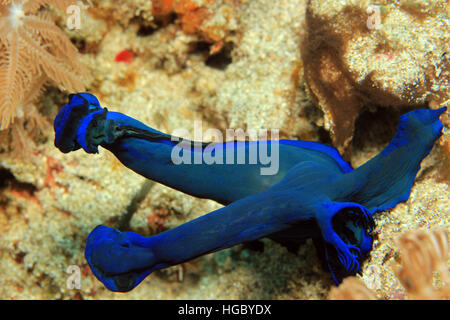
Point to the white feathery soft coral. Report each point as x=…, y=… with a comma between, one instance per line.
x=33, y=51
x=16, y=15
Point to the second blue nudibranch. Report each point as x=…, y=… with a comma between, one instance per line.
x=314, y=193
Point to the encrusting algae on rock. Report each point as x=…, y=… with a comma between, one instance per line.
x=358, y=55
x=232, y=64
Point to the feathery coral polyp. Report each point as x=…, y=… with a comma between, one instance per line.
x=33, y=50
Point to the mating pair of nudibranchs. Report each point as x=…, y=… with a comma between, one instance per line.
x=315, y=193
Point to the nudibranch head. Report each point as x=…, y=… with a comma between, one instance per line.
x=80, y=124
x=118, y=259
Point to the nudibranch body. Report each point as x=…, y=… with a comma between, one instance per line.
x=84, y=124
x=314, y=194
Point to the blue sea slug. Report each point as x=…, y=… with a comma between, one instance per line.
x=314, y=194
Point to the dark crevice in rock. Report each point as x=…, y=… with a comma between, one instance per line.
x=146, y=29
x=377, y=128
x=222, y=59
x=123, y=223
x=7, y=180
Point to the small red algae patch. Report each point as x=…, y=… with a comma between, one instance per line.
x=157, y=222
x=86, y=270
x=78, y=296
x=52, y=166
x=124, y=56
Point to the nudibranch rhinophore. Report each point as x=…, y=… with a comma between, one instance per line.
x=314, y=193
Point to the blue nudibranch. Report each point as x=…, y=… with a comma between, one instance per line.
x=315, y=194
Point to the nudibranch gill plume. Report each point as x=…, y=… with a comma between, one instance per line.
x=314, y=194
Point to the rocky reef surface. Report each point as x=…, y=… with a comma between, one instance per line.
x=339, y=73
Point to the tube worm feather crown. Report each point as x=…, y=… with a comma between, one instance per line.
x=315, y=194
